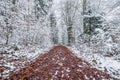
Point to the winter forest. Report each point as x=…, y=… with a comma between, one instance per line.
x=59, y=39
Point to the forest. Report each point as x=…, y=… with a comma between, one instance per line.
x=59, y=39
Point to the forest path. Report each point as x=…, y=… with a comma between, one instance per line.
x=59, y=64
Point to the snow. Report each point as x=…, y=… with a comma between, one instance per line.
x=107, y=64
x=60, y=64
x=28, y=54
x=80, y=66
x=14, y=60
x=27, y=29
x=56, y=72
x=87, y=78
x=68, y=70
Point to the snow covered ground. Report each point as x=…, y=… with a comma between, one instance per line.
x=111, y=65
x=12, y=60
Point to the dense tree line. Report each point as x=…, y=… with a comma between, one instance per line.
x=66, y=22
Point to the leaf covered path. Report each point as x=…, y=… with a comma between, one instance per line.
x=59, y=64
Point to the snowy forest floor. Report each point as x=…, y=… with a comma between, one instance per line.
x=14, y=59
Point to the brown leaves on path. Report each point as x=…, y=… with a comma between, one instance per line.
x=59, y=64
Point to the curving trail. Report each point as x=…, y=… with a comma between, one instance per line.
x=59, y=64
